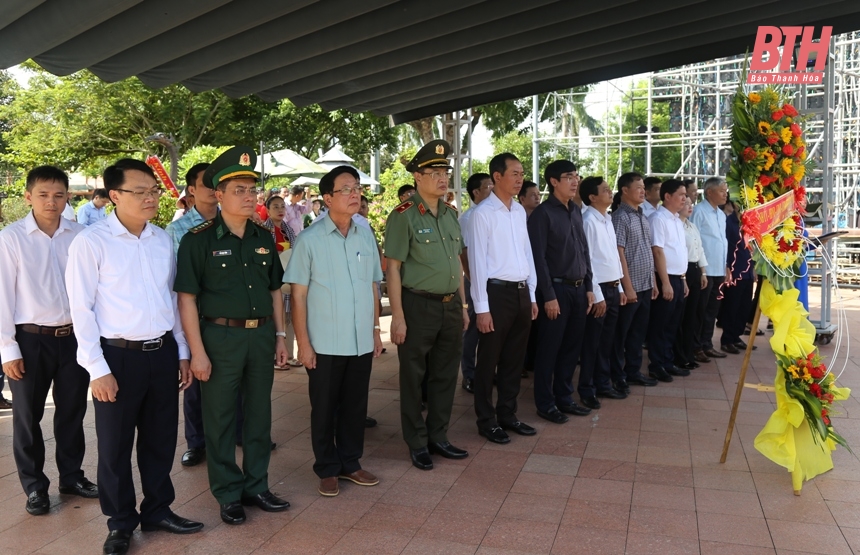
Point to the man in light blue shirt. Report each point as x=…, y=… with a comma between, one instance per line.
x=335, y=311
x=94, y=211
x=710, y=220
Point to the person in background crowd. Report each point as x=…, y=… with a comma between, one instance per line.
x=68, y=212
x=692, y=190
x=529, y=197
x=425, y=287
x=95, y=210
x=687, y=340
x=595, y=379
x=316, y=206
x=503, y=276
x=297, y=208
x=260, y=209
x=652, y=195
x=479, y=186
x=669, y=248
x=285, y=239
x=633, y=235
x=339, y=364
x=405, y=192
x=134, y=356
x=738, y=293
x=37, y=344
x=563, y=293
x=710, y=220
x=284, y=193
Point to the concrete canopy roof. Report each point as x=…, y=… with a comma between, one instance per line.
x=406, y=59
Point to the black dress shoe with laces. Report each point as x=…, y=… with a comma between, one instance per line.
x=495, y=434
x=612, y=394
x=38, y=502
x=421, y=458
x=232, y=513
x=174, y=524
x=574, y=409
x=518, y=427
x=447, y=450
x=659, y=374
x=622, y=386
x=370, y=422
x=469, y=385
x=639, y=379
x=675, y=371
x=193, y=456
x=82, y=488
x=590, y=402
x=267, y=501
x=743, y=346
x=553, y=415
x=713, y=353
x=117, y=542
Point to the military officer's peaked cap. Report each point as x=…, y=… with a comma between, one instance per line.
x=432, y=155
x=236, y=162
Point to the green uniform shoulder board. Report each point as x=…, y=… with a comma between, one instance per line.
x=405, y=206
x=451, y=206
x=200, y=227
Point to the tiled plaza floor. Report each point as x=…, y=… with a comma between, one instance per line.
x=639, y=476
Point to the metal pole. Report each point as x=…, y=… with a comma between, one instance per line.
x=648, y=132
x=535, y=151
x=262, y=167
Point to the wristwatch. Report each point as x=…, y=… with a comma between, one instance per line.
x=281, y=334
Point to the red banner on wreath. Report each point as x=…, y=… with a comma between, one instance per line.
x=762, y=219
x=156, y=165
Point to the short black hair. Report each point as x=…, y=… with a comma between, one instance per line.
x=474, y=183
x=101, y=193
x=627, y=179
x=298, y=189
x=114, y=175
x=404, y=189
x=191, y=174
x=650, y=181
x=499, y=163
x=524, y=189
x=670, y=186
x=271, y=199
x=327, y=181
x=555, y=169
x=365, y=199
x=46, y=173
x=588, y=187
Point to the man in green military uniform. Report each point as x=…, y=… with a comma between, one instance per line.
x=229, y=268
x=428, y=307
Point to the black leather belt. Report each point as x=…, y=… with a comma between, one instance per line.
x=236, y=323
x=447, y=298
x=511, y=284
x=56, y=331
x=147, y=345
x=573, y=282
x=610, y=283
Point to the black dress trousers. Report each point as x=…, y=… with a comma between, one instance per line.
x=687, y=339
x=594, y=373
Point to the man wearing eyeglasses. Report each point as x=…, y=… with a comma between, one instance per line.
x=119, y=275
x=230, y=269
x=428, y=305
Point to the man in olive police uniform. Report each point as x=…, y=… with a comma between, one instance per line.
x=229, y=267
x=428, y=308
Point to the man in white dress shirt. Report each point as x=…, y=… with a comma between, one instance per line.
x=120, y=279
x=652, y=195
x=669, y=247
x=37, y=345
x=503, y=289
x=594, y=375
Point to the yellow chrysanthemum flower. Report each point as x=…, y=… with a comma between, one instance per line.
x=768, y=196
x=797, y=141
x=764, y=128
x=798, y=172
x=755, y=98
x=788, y=227
x=769, y=159
x=750, y=196
x=768, y=246
x=806, y=375
x=793, y=370
x=785, y=135
x=786, y=166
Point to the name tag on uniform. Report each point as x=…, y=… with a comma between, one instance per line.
x=261, y=250
x=222, y=253
x=421, y=231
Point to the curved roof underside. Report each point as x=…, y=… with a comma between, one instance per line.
x=407, y=59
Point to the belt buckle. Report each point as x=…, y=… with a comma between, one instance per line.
x=152, y=345
x=521, y=285
x=63, y=332
x=448, y=298
x=577, y=283
x=252, y=324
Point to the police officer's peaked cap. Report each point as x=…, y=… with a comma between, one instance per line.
x=432, y=155
x=238, y=161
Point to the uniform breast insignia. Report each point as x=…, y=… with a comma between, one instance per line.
x=421, y=209
x=261, y=250
x=405, y=206
x=451, y=206
x=200, y=227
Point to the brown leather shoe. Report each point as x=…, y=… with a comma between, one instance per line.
x=700, y=356
x=361, y=477
x=715, y=354
x=328, y=486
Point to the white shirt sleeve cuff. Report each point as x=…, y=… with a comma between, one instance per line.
x=99, y=368
x=598, y=295
x=482, y=307
x=10, y=352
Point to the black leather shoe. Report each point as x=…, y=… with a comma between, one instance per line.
x=469, y=385
x=5, y=404
x=193, y=456
x=421, y=458
x=731, y=349
x=117, y=542
x=38, y=502
x=370, y=422
x=612, y=394
x=659, y=374
x=232, y=513
x=518, y=427
x=174, y=524
x=713, y=353
x=267, y=501
x=688, y=365
x=590, y=402
x=553, y=415
x=743, y=346
x=496, y=435
x=574, y=409
x=639, y=379
x=83, y=488
x=447, y=450
x=675, y=371
x=621, y=386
